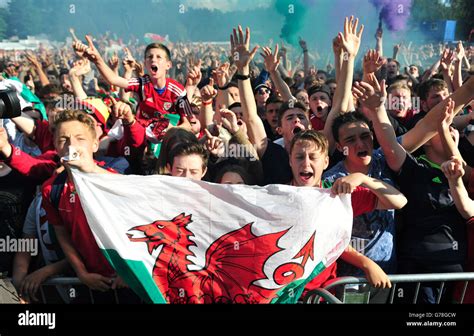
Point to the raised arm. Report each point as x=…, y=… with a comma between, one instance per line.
x=242, y=57
x=93, y=55
x=79, y=69
x=372, y=97
x=446, y=60
x=453, y=169
x=38, y=67
x=347, y=44
x=427, y=127
x=304, y=46
x=458, y=60
x=272, y=62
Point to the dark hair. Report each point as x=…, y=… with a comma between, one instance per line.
x=394, y=60
x=50, y=89
x=292, y=103
x=233, y=168
x=172, y=138
x=319, y=88
x=331, y=81
x=186, y=149
x=158, y=46
x=425, y=87
x=347, y=118
x=274, y=99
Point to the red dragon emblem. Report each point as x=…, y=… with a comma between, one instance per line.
x=234, y=262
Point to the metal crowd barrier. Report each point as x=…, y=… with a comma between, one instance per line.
x=312, y=297
x=68, y=284
x=315, y=296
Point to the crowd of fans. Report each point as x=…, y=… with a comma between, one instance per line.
x=396, y=132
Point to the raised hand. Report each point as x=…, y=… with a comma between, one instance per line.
x=351, y=38
x=32, y=59
x=194, y=73
x=80, y=68
x=447, y=57
x=114, y=62
x=303, y=44
x=271, y=60
x=373, y=61
x=240, y=45
x=122, y=110
x=214, y=145
x=222, y=74
x=208, y=92
x=229, y=121
x=453, y=169
x=371, y=95
x=448, y=116
x=89, y=51
x=337, y=45
x=460, y=53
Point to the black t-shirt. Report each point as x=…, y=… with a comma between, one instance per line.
x=467, y=151
x=16, y=194
x=433, y=232
x=268, y=130
x=276, y=165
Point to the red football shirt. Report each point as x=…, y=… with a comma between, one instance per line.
x=363, y=200
x=153, y=104
x=70, y=215
x=43, y=136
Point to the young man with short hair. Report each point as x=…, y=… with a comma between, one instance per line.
x=188, y=160
x=308, y=158
x=158, y=95
x=74, y=133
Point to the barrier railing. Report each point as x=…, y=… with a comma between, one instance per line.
x=316, y=295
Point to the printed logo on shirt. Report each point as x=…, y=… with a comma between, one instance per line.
x=150, y=100
x=437, y=180
x=167, y=106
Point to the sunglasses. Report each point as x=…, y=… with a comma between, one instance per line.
x=263, y=91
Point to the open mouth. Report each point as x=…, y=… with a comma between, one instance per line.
x=362, y=154
x=297, y=130
x=319, y=109
x=136, y=236
x=154, y=68
x=306, y=176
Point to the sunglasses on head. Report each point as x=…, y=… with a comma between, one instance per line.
x=263, y=91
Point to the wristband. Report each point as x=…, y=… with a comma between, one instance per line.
x=305, y=50
x=241, y=77
x=209, y=102
x=225, y=87
x=124, y=123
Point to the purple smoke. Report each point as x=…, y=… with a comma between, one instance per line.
x=394, y=14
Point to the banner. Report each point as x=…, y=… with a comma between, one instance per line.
x=175, y=240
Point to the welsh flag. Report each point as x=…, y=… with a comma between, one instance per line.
x=175, y=240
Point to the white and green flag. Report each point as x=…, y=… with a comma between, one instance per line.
x=181, y=241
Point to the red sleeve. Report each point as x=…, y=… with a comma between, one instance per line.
x=133, y=85
x=39, y=168
x=470, y=186
x=363, y=201
x=52, y=214
x=43, y=136
x=134, y=135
